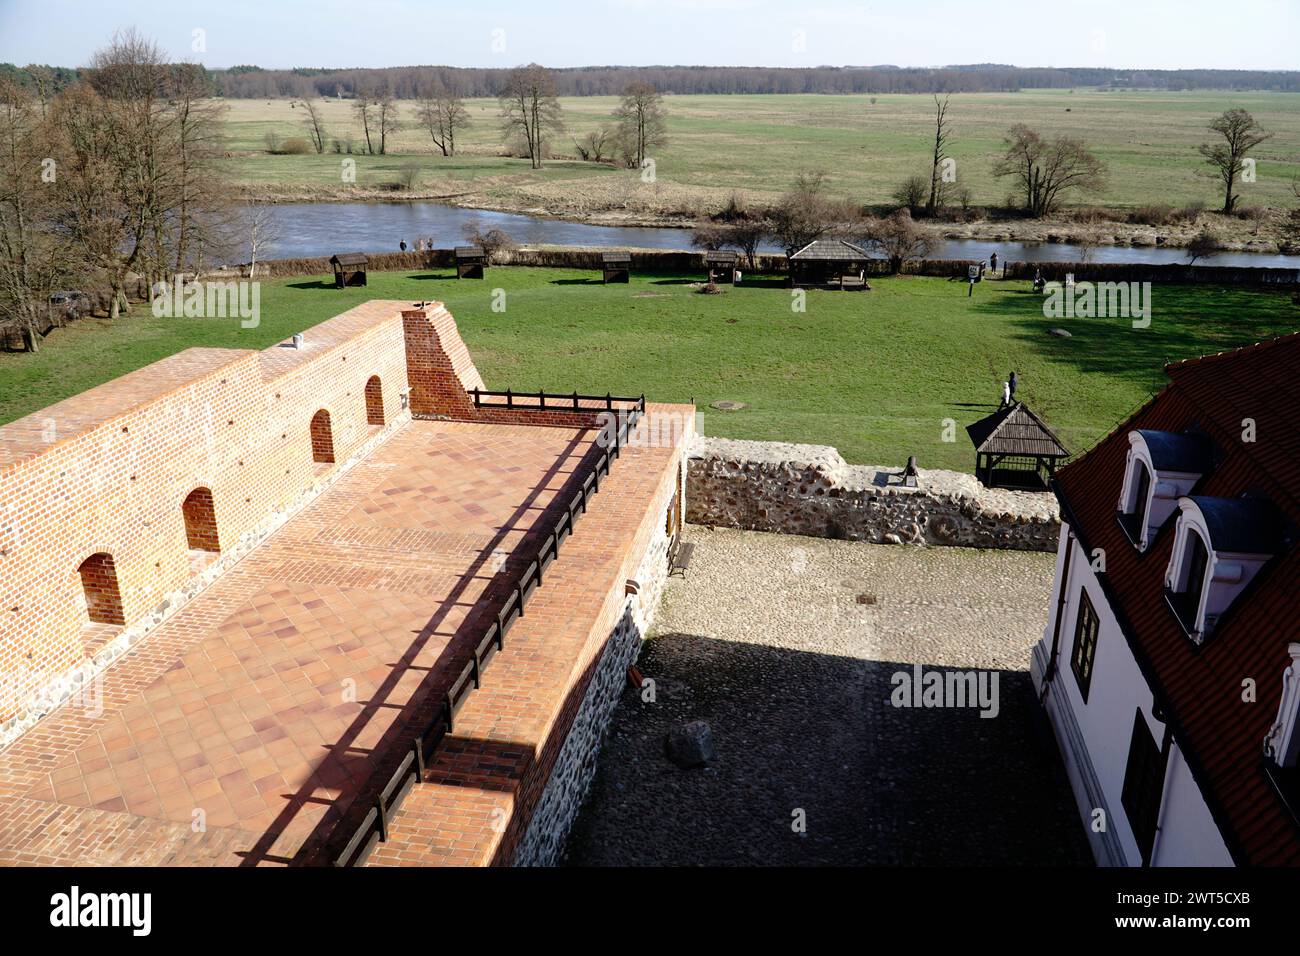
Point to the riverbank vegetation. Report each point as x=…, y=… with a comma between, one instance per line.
x=877, y=374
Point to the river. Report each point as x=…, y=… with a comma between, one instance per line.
x=322, y=229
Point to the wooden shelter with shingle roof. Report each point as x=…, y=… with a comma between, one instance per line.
x=830, y=262
x=721, y=266
x=616, y=266
x=1014, y=448
x=349, y=269
x=470, y=262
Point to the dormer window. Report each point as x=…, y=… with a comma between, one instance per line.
x=1220, y=544
x=1162, y=466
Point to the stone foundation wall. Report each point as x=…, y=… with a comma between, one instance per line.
x=575, y=765
x=811, y=490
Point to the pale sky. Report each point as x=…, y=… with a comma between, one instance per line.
x=1152, y=34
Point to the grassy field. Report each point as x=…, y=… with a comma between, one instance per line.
x=875, y=374
x=756, y=144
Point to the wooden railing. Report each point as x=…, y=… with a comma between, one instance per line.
x=558, y=401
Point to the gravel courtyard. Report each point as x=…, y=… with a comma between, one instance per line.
x=787, y=646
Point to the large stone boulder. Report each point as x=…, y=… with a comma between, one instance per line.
x=691, y=744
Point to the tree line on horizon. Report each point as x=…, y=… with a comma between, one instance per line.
x=408, y=82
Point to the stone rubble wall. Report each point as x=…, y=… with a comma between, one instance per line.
x=810, y=490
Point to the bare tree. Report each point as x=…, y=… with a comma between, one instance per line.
x=32, y=259
x=594, y=146
x=193, y=192
x=942, y=131
x=912, y=193
x=898, y=237
x=491, y=241
x=805, y=213
x=641, y=121
x=1203, y=245
x=1045, y=171
x=261, y=231
x=365, y=108
x=442, y=113
x=315, y=125
x=118, y=175
x=43, y=79
x=133, y=192
x=529, y=108
x=1086, y=240
x=736, y=227
x=408, y=175
x=387, y=119
x=1241, y=133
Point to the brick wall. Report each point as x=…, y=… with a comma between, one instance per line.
x=98, y=511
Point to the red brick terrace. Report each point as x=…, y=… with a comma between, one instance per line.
x=256, y=724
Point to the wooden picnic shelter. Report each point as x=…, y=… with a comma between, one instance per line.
x=829, y=263
x=616, y=266
x=1014, y=448
x=721, y=266
x=470, y=262
x=349, y=269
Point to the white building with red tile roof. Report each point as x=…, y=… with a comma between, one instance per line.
x=1170, y=665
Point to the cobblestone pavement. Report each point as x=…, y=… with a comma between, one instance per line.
x=788, y=646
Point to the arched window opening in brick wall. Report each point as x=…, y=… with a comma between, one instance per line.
x=99, y=582
x=374, y=401
x=200, y=521
x=322, y=437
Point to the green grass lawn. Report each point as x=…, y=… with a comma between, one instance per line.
x=876, y=374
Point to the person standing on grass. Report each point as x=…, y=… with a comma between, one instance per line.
x=1011, y=387
x=993, y=262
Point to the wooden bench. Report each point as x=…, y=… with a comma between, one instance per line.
x=679, y=556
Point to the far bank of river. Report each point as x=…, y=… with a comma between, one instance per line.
x=322, y=229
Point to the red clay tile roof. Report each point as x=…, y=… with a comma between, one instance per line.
x=1200, y=688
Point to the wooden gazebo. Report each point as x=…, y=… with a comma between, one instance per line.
x=721, y=266
x=349, y=269
x=470, y=262
x=1015, y=449
x=616, y=266
x=830, y=263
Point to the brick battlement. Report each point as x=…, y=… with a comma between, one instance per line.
x=112, y=500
